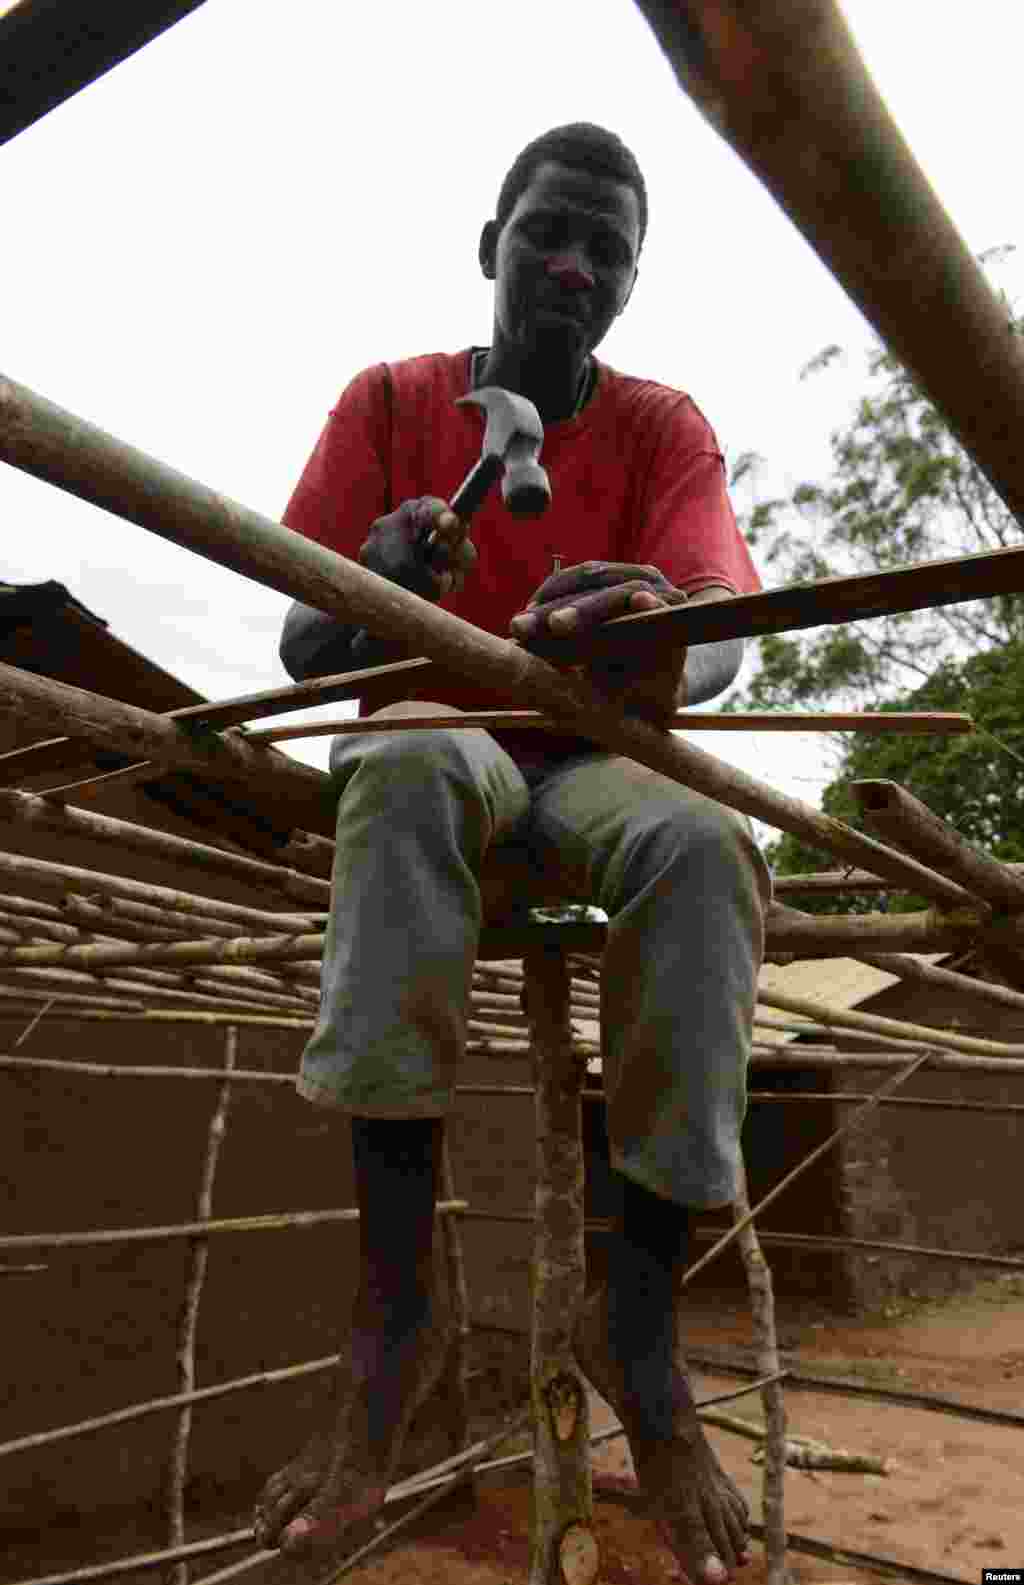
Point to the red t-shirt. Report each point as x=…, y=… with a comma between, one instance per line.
x=637, y=476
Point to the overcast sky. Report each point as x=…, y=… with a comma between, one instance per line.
x=205, y=245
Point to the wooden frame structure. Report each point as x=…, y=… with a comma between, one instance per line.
x=782, y=81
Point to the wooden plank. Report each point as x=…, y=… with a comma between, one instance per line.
x=827, y=602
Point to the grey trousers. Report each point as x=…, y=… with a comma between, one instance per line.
x=680, y=877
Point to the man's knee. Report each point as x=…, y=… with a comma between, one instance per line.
x=398, y=756
x=701, y=844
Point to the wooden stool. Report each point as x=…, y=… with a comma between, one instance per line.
x=564, y=1548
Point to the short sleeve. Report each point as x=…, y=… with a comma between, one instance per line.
x=344, y=485
x=685, y=525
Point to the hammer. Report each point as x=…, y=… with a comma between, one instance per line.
x=513, y=436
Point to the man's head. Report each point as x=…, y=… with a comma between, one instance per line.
x=563, y=246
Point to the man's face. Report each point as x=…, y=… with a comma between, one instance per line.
x=565, y=260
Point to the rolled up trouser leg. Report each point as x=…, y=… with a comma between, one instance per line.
x=416, y=814
x=685, y=888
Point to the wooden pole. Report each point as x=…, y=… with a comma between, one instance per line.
x=785, y=86
x=762, y=1306
x=563, y=1547
x=188, y=1319
x=911, y=825
x=297, y=793
x=32, y=810
x=160, y=1235
x=52, y=444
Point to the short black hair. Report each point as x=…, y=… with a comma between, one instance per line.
x=582, y=146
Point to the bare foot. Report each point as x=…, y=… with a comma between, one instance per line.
x=289, y=1490
x=341, y=1478
x=700, y=1514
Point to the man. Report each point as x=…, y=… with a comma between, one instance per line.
x=640, y=518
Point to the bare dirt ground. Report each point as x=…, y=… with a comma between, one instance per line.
x=953, y=1501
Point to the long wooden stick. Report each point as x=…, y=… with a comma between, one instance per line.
x=762, y=1305
x=941, y=723
x=563, y=1546
x=31, y=810
x=905, y=820
x=785, y=86
x=158, y=1235
x=525, y=1091
x=188, y=1319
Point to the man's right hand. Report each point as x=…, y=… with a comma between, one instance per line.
x=422, y=546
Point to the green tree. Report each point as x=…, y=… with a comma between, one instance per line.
x=901, y=489
x=975, y=781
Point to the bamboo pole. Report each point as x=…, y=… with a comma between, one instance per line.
x=228, y=980
x=873, y=1023
x=851, y=935
x=762, y=1305
x=138, y=985
x=56, y=446
x=521, y=1091
x=911, y=968
x=456, y=1395
x=874, y=723
x=563, y=1547
x=138, y=994
x=30, y=809
x=160, y=1235
x=62, y=878
x=188, y=1319
x=100, y=1009
x=786, y=930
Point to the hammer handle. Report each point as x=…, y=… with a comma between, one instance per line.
x=475, y=486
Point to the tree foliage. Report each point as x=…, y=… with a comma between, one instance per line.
x=975, y=781
x=901, y=490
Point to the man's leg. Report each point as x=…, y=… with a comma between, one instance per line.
x=684, y=887
x=416, y=814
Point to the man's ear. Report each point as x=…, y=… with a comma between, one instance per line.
x=629, y=294
x=488, y=251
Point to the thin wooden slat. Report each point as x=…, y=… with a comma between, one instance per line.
x=941, y=723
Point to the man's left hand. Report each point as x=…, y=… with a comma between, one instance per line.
x=573, y=601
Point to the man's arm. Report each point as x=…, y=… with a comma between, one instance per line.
x=314, y=644
x=709, y=668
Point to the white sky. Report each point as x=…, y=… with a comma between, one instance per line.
x=206, y=244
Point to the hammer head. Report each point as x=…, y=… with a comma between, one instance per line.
x=513, y=436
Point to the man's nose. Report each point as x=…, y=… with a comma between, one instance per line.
x=570, y=270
